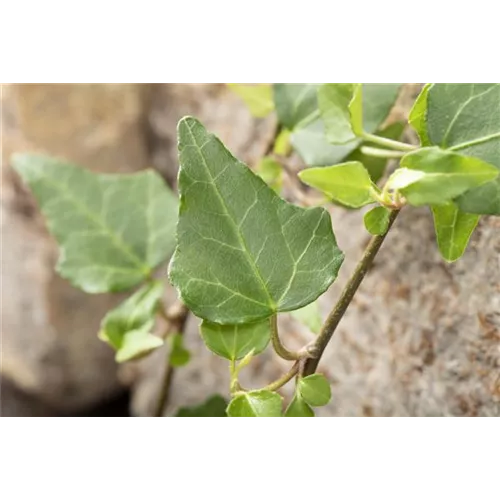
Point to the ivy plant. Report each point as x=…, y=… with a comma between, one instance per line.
x=239, y=254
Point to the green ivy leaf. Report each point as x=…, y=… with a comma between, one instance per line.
x=464, y=118
x=453, y=230
x=310, y=140
x=234, y=342
x=113, y=230
x=256, y=404
x=215, y=406
x=377, y=220
x=433, y=176
x=347, y=183
x=315, y=390
x=299, y=408
x=296, y=103
x=271, y=172
x=243, y=253
x=310, y=316
x=257, y=97
x=127, y=328
x=418, y=116
x=179, y=355
x=376, y=166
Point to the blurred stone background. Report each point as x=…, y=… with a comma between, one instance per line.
x=422, y=337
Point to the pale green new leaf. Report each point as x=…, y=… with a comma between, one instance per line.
x=282, y=146
x=243, y=253
x=179, y=355
x=418, y=116
x=377, y=220
x=315, y=390
x=347, y=183
x=234, y=342
x=433, y=176
x=453, y=230
x=466, y=118
x=258, y=97
x=113, y=230
x=127, y=328
x=256, y=404
x=310, y=316
x=271, y=173
x=299, y=408
x=215, y=406
x=310, y=140
x=296, y=103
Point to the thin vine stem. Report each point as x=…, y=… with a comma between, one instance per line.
x=277, y=384
x=388, y=143
x=278, y=347
x=345, y=299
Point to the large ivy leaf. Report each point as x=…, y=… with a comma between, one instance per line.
x=453, y=230
x=465, y=118
x=234, y=342
x=310, y=140
x=243, y=253
x=348, y=183
x=315, y=390
x=256, y=404
x=296, y=103
x=127, y=328
x=258, y=97
x=112, y=229
x=435, y=176
x=215, y=406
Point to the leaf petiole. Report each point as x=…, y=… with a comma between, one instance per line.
x=388, y=143
x=381, y=153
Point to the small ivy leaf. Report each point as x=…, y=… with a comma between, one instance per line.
x=179, y=355
x=376, y=166
x=464, y=118
x=215, y=406
x=310, y=316
x=453, y=230
x=256, y=404
x=271, y=172
x=334, y=100
x=315, y=390
x=299, y=408
x=127, y=327
x=418, y=116
x=282, y=146
x=377, y=220
x=296, y=103
x=234, y=342
x=113, y=230
x=433, y=176
x=347, y=183
x=310, y=140
x=243, y=254
x=257, y=97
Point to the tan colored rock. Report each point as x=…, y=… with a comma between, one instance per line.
x=49, y=343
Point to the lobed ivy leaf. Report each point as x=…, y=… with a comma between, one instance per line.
x=257, y=97
x=243, y=253
x=453, y=230
x=464, y=118
x=261, y=403
x=377, y=220
x=179, y=355
x=215, y=406
x=433, y=176
x=234, y=342
x=348, y=183
x=271, y=172
x=315, y=390
x=299, y=408
x=127, y=328
x=296, y=103
x=113, y=230
x=310, y=140
x=310, y=316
